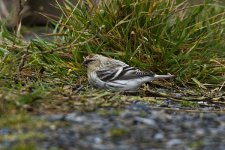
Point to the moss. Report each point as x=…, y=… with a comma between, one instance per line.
x=105, y=112
x=117, y=132
x=21, y=137
x=14, y=121
x=25, y=146
x=189, y=104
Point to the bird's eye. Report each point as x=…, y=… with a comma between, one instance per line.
x=86, y=62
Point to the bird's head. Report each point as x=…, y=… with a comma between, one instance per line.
x=92, y=62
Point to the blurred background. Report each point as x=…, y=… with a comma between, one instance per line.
x=34, y=12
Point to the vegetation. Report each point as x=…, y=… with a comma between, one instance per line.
x=159, y=35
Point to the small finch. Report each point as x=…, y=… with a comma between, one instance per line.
x=108, y=73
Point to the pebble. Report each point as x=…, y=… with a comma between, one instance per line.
x=174, y=142
x=4, y=131
x=146, y=121
x=53, y=117
x=158, y=136
x=135, y=127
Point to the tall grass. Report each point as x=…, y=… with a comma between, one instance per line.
x=163, y=36
x=159, y=35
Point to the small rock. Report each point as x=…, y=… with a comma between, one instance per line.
x=97, y=140
x=138, y=105
x=5, y=131
x=200, y=132
x=159, y=136
x=146, y=121
x=52, y=127
x=165, y=103
x=174, y=142
x=54, y=117
x=162, y=115
x=75, y=118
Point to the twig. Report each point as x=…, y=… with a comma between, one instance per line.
x=22, y=61
x=222, y=86
x=77, y=90
x=174, y=98
x=190, y=110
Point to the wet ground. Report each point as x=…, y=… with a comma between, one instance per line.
x=136, y=126
x=79, y=117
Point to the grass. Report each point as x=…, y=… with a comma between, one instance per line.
x=163, y=36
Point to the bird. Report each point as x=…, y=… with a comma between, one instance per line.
x=108, y=73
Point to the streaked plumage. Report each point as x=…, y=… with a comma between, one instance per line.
x=108, y=73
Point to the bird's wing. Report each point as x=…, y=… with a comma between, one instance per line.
x=113, y=63
x=122, y=73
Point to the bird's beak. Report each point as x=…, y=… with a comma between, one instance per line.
x=86, y=62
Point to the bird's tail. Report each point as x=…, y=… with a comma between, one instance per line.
x=163, y=76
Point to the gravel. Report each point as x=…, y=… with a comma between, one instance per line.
x=135, y=127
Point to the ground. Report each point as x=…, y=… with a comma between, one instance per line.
x=109, y=120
